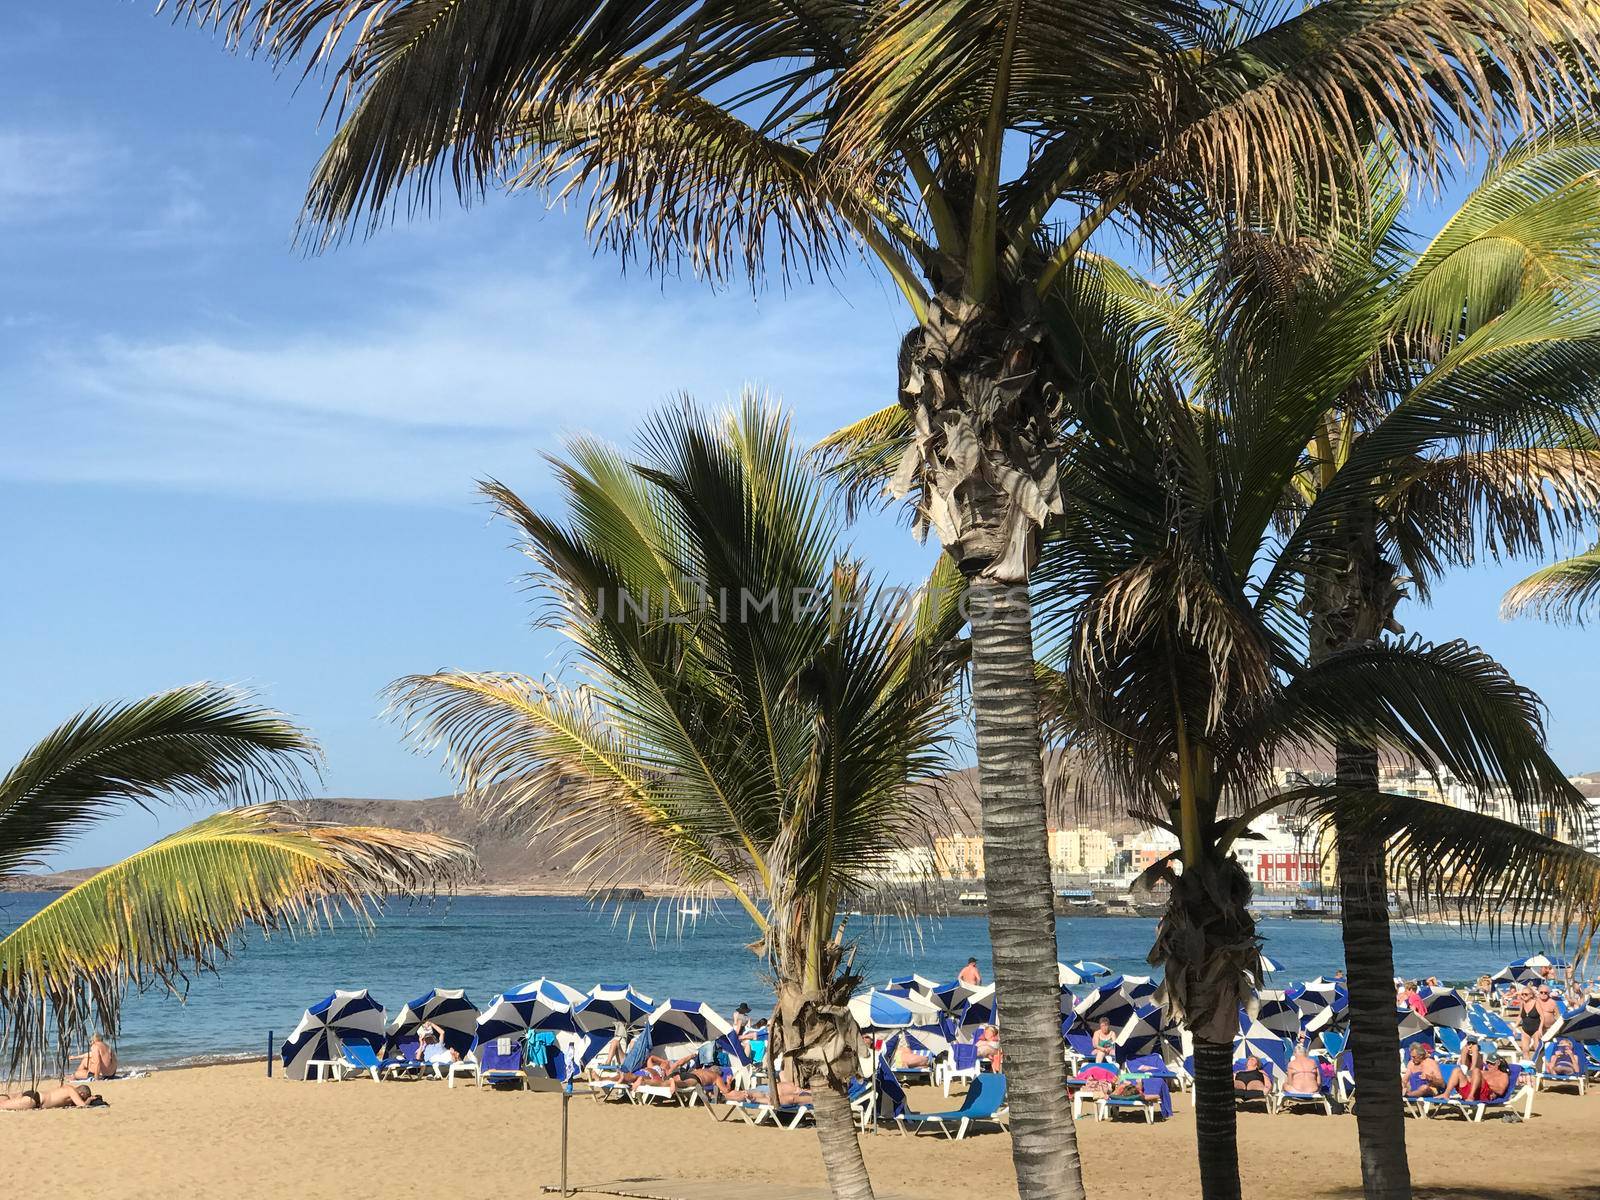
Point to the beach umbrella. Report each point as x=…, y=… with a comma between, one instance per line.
x=682, y=1025
x=1487, y=1024
x=1270, y=1047
x=1270, y=966
x=879, y=1010
x=1579, y=1024
x=1414, y=1027
x=448, y=1008
x=1138, y=987
x=1447, y=1007
x=1320, y=1002
x=1090, y=969
x=914, y=983
x=325, y=1027
x=1105, y=1000
x=1070, y=976
x=539, y=1004
x=1145, y=1031
x=1279, y=1014
x=981, y=1008
x=953, y=996
x=1541, y=960
x=609, y=1005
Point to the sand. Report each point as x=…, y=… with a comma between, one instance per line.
x=230, y=1131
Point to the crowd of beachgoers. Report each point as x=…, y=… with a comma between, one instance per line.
x=1474, y=1049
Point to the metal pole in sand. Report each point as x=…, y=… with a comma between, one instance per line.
x=566, y=1095
x=269, y=1054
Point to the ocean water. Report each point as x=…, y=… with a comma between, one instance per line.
x=488, y=944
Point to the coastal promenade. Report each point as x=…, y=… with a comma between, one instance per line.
x=230, y=1131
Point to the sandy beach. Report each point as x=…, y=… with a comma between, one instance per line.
x=230, y=1131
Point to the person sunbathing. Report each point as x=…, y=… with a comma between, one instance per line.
x=1485, y=1080
x=1423, y=1077
x=1251, y=1082
x=1563, y=1058
x=1105, y=1042
x=908, y=1058
x=988, y=1047
x=1303, y=1074
x=21, y=1102
x=69, y=1096
x=98, y=1062
x=788, y=1094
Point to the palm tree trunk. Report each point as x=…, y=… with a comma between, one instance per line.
x=1369, y=965
x=840, y=1145
x=1216, y=1120
x=1022, y=918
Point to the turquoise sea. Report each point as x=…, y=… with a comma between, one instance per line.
x=487, y=944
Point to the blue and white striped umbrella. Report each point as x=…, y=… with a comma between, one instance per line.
x=1447, y=1007
x=540, y=1004
x=1271, y=1048
x=1321, y=1002
x=1138, y=987
x=953, y=995
x=678, y=1026
x=1579, y=1024
x=448, y=1008
x=609, y=1005
x=1070, y=977
x=914, y=983
x=345, y=1016
x=1146, y=1031
x=1106, y=1000
x=1270, y=966
x=1090, y=969
x=981, y=1008
x=1278, y=1013
x=1487, y=1024
x=1414, y=1027
x=1541, y=960
x=878, y=1010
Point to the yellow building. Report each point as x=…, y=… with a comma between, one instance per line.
x=958, y=857
x=1080, y=851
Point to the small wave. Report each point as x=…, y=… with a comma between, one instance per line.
x=208, y=1059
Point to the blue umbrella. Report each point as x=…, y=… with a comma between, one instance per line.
x=953, y=996
x=1270, y=966
x=1091, y=970
x=1071, y=976
x=879, y=1010
x=1414, y=1027
x=541, y=1004
x=1106, y=1000
x=1447, y=1007
x=325, y=1027
x=1271, y=1048
x=1320, y=1002
x=1146, y=1031
x=914, y=983
x=684, y=1024
x=1579, y=1024
x=1278, y=1013
x=981, y=1008
x=448, y=1008
x=609, y=1005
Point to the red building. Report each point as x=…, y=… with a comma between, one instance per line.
x=1294, y=867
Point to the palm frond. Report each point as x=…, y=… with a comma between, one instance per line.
x=1561, y=591
x=201, y=743
x=1493, y=872
x=181, y=906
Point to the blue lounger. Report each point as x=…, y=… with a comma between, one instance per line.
x=984, y=1102
x=1517, y=1089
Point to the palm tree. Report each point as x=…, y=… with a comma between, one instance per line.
x=752, y=715
x=1191, y=671
x=179, y=905
x=1459, y=423
x=970, y=149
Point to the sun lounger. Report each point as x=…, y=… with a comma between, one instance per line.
x=359, y=1058
x=880, y=1101
x=1317, y=1099
x=984, y=1103
x=962, y=1063
x=1473, y=1110
x=466, y=1065
x=500, y=1061
x=1544, y=1076
x=678, y=1090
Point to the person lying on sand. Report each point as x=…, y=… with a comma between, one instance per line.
x=69, y=1096
x=98, y=1062
x=21, y=1102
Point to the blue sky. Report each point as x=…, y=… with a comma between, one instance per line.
x=223, y=459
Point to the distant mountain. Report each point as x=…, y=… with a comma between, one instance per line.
x=510, y=865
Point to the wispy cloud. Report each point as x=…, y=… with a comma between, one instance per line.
x=454, y=378
x=43, y=172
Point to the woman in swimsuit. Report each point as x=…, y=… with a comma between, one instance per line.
x=21, y=1102
x=1528, y=1005
x=1105, y=1042
x=1250, y=1083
